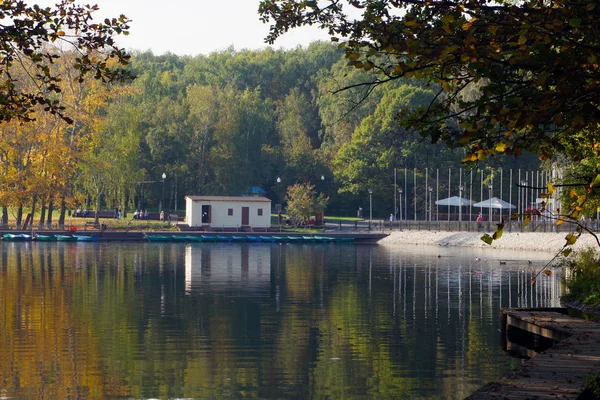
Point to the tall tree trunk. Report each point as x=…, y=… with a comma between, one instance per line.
x=50, y=211
x=19, y=216
x=42, y=215
x=4, y=217
x=63, y=209
x=29, y=219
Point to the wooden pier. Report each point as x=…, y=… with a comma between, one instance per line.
x=558, y=372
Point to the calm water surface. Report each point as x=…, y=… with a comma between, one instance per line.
x=106, y=320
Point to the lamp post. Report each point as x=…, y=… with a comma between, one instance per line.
x=524, y=198
x=430, y=202
x=278, y=207
x=490, y=210
x=460, y=191
x=162, y=200
x=400, y=203
x=370, y=208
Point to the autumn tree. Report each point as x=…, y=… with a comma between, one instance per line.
x=26, y=32
x=302, y=202
x=535, y=65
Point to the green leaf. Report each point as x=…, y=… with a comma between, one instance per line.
x=571, y=239
x=487, y=239
x=566, y=252
x=575, y=22
x=497, y=235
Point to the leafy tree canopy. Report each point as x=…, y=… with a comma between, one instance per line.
x=27, y=34
x=534, y=64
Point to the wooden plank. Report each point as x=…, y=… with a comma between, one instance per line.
x=560, y=371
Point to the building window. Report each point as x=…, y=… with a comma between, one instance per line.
x=230, y=211
x=260, y=211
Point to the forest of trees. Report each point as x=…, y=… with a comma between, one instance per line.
x=218, y=125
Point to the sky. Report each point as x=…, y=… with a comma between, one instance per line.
x=192, y=27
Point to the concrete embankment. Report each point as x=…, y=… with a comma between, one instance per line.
x=548, y=242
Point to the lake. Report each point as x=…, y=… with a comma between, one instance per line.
x=286, y=321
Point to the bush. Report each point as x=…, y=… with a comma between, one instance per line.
x=583, y=281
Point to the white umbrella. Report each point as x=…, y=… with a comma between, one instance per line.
x=494, y=202
x=454, y=201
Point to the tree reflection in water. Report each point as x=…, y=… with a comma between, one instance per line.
x=230, y=320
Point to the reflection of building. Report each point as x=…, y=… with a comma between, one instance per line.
x=222, y=211
x=227, y=267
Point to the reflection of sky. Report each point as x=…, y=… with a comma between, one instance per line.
x=227, y=267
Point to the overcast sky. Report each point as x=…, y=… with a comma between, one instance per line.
x=192, y=27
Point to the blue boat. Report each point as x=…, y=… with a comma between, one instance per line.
x=178, y=238
x=270, y=239
x=282, y=239
x=157, y=238
x=226, y=239
x=240, y=238
x=295, y=239
x=254, y=239
x=210, y=238
x=17, y=237
x=44, y=238
x=324, y=239
x=191, y=238
x=85, y=238
x=65, y=238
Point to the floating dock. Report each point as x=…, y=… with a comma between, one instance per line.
x=559, y=372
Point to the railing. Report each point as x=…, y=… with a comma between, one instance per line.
x=449, y=226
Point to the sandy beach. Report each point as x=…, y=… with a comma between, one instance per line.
x=546, y=242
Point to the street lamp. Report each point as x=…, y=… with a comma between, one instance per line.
x=460, y=191
x=370, y=207
x=278, y=207
x=162, y=201
x=490, y=211
x=430, y=201
x=400, y=201
x=524, y=198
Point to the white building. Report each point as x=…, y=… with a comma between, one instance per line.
x=227, y=212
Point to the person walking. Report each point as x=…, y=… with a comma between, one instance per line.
x=479, y=222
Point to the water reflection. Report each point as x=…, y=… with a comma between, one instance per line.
x=254, y=320
x=224, y=267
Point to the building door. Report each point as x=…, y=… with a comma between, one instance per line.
x=206, y=210
x=245, y=216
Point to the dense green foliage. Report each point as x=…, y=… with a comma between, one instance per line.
x=584, y=279
x=222, y=124
x=515, y=75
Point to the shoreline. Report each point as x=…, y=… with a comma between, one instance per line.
x=527, y=241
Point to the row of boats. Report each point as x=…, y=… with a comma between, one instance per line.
x=22, y=237
x=254, y=239
x=183, y=238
